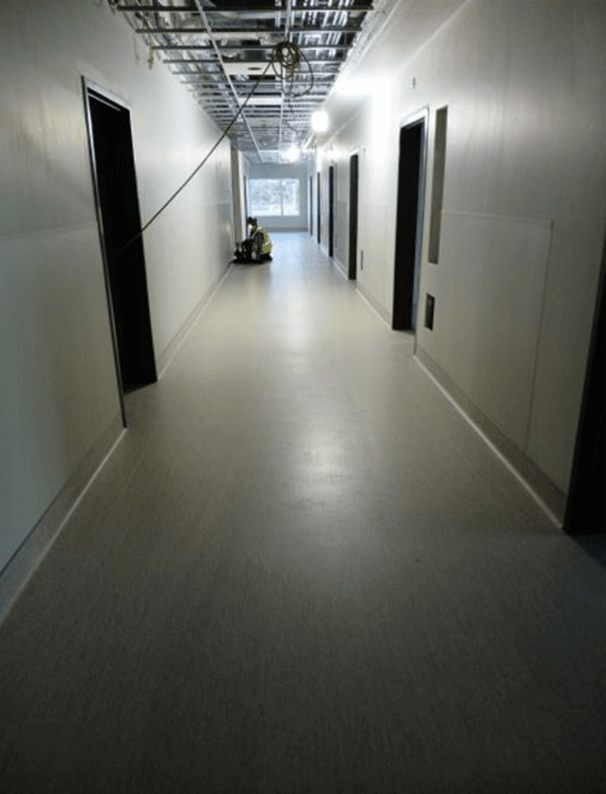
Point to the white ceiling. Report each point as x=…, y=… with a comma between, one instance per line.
x=405, y=30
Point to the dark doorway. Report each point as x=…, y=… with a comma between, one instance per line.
x=118, y=207
x=408, y=226
x=353, y=216
x=311, y=205
x=586, y=508
x=318, y=203
x=331, y=210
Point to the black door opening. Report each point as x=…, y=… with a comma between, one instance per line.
x=318, y=207
x=586, y=508
x=113, y=169
x=331, y=210
x=408, y=226
x=353, y=216
x=311, y=205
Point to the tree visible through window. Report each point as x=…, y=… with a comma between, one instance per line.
x=273, y=196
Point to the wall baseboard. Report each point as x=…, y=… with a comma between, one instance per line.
x=19, y=569
x=27, y=558
x=545, y=492
x=374, y=304
x=340, y=267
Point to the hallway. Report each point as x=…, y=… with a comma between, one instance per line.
x=302, y=571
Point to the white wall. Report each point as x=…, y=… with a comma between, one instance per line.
x=524, y=208
x=238, y=169
x=283, y=171
x=58, y=391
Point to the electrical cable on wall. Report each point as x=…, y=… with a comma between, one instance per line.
x=285, y=59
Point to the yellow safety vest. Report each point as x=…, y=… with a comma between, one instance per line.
x=267, y=244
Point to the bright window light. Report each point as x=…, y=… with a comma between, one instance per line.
x=319, y=121
x=274, y=197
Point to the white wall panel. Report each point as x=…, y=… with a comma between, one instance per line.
x=525, y=88
x=494, y=275
x=58, y=375
x=58, y=391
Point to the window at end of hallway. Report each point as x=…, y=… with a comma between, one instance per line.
x=274, y=197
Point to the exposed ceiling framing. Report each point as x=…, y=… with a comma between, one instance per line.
x=220, y=49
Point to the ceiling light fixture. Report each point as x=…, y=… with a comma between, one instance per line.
x=293, y=154
x=319, y=121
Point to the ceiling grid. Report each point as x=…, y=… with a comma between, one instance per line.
x=221, y=51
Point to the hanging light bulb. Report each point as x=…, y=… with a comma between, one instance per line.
x=319, y=121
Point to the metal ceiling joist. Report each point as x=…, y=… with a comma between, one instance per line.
x=220, y=53
x=324, y=63
x=220, y=59
x=239, y=33
x=250, y=10
x=255, y=47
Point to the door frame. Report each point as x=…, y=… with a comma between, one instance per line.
x=245, y=189
x=586, y=479
x=332, y=175
x=419, y=117
x=94, y=93
x=89, y=86
x=354, y=152
x=319, y=206
x=311, y=205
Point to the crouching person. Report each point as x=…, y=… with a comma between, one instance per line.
x=261, y=241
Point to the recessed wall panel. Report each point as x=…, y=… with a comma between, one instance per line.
x=493, y=273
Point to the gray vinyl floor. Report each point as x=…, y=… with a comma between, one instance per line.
x=301, y=571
